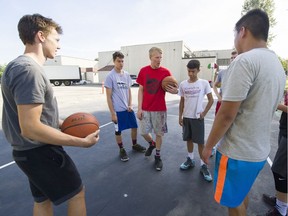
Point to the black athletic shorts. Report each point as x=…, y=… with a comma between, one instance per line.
x=279, y=167
x=51, y=172
x=280, y=182
x=193, y=129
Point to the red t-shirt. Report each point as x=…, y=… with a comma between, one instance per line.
x=153, y=94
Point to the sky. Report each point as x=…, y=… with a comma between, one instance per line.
x=92, y=26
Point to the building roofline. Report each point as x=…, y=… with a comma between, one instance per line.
x=153, y=43
x=201, y=57
x=75, y=57
x=106, y=68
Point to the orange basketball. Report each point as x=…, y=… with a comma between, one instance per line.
x=169, y=80
x=80, y=124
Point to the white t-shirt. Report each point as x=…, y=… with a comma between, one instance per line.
x=257, y=79
x=193, y=94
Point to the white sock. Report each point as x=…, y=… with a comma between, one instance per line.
x=281, y=207
x=201, y=162
x=191, y=155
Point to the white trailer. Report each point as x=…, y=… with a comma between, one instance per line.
x=66, y=74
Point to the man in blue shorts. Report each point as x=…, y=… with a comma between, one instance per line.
x=119, y=99
x=252, y=88
x=31, y=122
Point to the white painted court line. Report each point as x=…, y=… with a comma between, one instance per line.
x=13, y=162
x=6, y=165
x=105, y=124
x=269, y=162
x=208, y=119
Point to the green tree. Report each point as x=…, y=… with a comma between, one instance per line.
x=284, y=63
x=266, y=5
x=2, y=68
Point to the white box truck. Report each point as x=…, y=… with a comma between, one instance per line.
x=67, y=74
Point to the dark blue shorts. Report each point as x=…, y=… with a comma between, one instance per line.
x=51, y=172
x=126, y=120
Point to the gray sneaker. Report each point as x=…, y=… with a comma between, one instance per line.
x=187, y=164
x=206, y=173
x=138, y=148
x=149, y=150
x=270, y=200
x=123, y=155
x=158, y=163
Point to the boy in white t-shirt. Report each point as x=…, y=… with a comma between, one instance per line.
x=191, y=114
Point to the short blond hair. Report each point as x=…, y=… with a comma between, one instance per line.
x=154, y=49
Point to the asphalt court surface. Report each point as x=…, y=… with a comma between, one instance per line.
x=133, y=188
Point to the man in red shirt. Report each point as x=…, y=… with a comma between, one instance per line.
x=152, y=111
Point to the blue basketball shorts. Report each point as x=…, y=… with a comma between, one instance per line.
x=233, y=179
x=126, y=120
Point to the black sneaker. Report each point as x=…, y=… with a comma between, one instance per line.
x=271, y=212
x=270, y=200
x=123, y=155
x=149, y=150
x=158, y=163
x=138, y=148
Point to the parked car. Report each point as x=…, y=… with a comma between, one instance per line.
x=82, y=82
x=134, y=77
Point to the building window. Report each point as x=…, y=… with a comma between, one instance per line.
x=223, y=62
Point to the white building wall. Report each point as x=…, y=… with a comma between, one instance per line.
x=84, y=63
x=102, y=76
x=105, y=58
x=55, y=61
x=91, y=76
x=66, y=60
x=137, y=56
x=222, y=54
x=204, y=73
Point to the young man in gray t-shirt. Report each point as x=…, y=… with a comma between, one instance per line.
x=252, y=88
x=218, y=82
x=31, y=125
x=119, y=99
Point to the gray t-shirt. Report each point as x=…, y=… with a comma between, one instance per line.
x=120, y=84
x=257, y=79
x=24, y=82
x=220, y=78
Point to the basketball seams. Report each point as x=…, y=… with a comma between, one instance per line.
x=169, y=80
x=79, y=124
